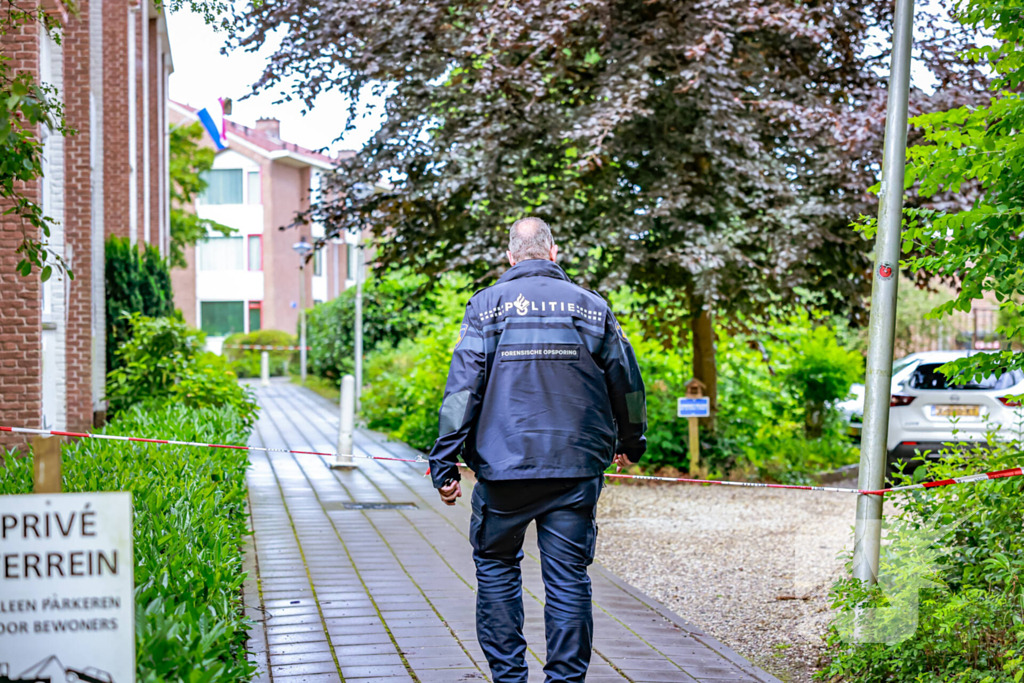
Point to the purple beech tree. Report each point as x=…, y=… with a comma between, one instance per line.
x=710, y=154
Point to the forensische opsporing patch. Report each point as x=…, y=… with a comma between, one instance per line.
x=539, y=352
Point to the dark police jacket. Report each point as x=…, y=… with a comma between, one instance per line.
x=543, y=383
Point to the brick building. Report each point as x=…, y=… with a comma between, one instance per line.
x=110, y=177
x=250, y=280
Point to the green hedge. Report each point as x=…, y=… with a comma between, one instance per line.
x=246, y=363
x=189, y=527
x=137, y=281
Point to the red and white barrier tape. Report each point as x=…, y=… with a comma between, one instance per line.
x=171, y=442
x=260, y=347
x=1014, y=472
x=967, y=479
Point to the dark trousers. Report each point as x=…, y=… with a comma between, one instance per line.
x=566, y=533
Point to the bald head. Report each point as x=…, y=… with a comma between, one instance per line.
x=530, y=238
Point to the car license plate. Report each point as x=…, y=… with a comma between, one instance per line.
x=956, y=411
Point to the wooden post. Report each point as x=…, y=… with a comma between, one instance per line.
x=46, y=464
x=694, y=389
x=694, y=447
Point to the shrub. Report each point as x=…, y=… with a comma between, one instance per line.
x=759, y=428
x=965, y=580
x=246, y=363
x=163, y=361
x=820, y=372
x=189, y=525
x=137, y=281
x=390, y=309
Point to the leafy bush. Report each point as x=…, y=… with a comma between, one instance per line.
x=821, y=372
x=956, y=556
x=163, y=361
x=390, y=309
x=189, y=525
x=137, y=281
x=246, y=363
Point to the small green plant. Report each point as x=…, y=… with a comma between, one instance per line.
x=820, y=372
x=189, y=525
x=164, y=361
x=246, y=362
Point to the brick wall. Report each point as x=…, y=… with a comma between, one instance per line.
x=20, y=341
x=78, y=220
x=116, y=167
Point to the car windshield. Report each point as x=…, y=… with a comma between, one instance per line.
x=927, y=376
x=900, y=364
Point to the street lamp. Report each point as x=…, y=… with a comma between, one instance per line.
x=303, y=249
x=355, y=241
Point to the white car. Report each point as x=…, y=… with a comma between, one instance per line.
x=852, y=409
x=925, y=412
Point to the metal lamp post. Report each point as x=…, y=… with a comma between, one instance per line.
x=881, y=326
x=303, y=249
x=359, y=319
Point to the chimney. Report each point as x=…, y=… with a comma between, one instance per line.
x=272, y=127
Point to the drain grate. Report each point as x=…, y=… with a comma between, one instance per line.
x=371, y=506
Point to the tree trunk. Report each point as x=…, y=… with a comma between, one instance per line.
x=704, y=368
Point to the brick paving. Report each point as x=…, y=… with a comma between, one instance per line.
x=360, y=595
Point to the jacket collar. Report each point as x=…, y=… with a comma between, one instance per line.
x=534, y=268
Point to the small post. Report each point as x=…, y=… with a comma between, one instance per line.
x=46, y=464
x=694, y=447
x=346, y=425
x=359, y=320
x=694, y=389
x=302, y=323
x=265, y=369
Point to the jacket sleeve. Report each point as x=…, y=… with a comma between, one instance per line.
x=463, y=395
x=626, y=390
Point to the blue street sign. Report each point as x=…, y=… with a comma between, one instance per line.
x=694, y=407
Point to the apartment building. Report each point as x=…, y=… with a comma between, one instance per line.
x=110, y=70
x=250, y=280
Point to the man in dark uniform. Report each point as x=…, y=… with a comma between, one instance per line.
x=543, y=394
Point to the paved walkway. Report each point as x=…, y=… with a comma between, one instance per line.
x=341, y=591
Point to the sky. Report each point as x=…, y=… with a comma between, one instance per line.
x=202, y=74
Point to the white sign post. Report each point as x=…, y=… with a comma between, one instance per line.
x=67, y=608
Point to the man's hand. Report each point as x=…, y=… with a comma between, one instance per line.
x=450, y=492
x=621, y=460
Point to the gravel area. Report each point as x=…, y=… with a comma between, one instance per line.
x=751, y=567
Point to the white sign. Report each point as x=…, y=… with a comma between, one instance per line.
x=694, y=407
x=67, y=609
